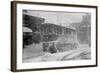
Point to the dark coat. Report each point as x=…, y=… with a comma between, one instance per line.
x=52, y=49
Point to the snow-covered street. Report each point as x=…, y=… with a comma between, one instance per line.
x=81, y=53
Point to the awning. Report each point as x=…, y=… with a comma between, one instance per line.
x=25, y=29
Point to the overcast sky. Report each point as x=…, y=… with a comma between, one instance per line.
x=60, y=18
